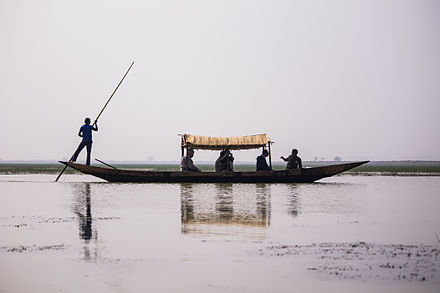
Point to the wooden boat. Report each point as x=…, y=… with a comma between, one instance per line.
x=277, y=176
x=218, y=143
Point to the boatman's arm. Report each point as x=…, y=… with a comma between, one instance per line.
x=95, y=125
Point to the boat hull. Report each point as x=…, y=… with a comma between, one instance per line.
x=303, y=175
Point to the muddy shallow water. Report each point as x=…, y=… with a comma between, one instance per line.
x=343, y=234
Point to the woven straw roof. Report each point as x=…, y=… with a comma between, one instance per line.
x=220, y=143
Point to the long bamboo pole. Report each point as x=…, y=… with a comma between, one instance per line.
x=99, y=115
x=102, y=110
x=106, y=164
x=61, y=173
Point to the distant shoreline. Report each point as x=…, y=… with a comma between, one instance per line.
x=375, y=168
x=210, y=162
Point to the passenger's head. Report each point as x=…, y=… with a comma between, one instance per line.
x=87, y=121
x=294, y=152
x=222, y=153
x=190, y=153
x=265, y=153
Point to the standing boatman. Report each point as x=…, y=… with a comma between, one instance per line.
x=86, y=133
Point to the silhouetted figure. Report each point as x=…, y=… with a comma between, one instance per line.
x=186, y=164
x=83, y=210
x=293, y=161
x=224, y=162
x=86, y=133
x=261, y=162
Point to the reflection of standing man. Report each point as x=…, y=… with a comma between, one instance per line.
x=85, y=220
x=86, y=133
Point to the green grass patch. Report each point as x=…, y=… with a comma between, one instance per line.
x=379, y=168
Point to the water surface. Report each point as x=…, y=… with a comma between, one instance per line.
x=342, y=234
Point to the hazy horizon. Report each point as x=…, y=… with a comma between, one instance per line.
x=355, y=79
x=176, y=162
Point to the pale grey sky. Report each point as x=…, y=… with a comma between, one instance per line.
x=355, y=79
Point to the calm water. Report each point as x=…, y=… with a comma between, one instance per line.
x=343, y=234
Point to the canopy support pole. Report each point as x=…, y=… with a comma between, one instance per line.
x=186, y=161
x=270, y=156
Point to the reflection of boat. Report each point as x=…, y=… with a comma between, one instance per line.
x=218, y=143
x=215, y=209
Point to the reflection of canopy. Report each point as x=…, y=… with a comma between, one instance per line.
x=219, y=143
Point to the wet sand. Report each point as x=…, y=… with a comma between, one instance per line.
x=344, y=234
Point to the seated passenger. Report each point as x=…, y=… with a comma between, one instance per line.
x=186, y=164
x=261, y=162
x=293, y=161
x=224, y=162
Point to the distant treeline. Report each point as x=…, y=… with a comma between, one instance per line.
x=372, y=168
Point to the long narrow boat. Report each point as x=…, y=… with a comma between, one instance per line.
x=277, y=176
x=189, y=141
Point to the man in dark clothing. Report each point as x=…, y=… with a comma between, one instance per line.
x=187, y=164
x=293, y=161
x=86, y=133
x=261, y=162
x=224, y=162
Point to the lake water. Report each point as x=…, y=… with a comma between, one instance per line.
x=343, y=234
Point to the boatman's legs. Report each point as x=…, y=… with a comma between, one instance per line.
x=83, y=143
x=89, y=152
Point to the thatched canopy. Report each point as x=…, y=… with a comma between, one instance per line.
x=220, y=143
